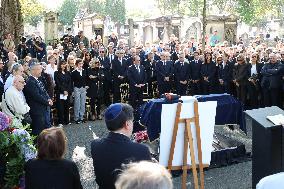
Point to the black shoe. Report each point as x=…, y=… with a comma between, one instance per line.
x=83, y=121
x=78, y=122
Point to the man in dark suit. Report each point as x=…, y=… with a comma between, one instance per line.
x=225, y=74
x=149, y=64
x=182, y=75
x=119, y=68
x=106, y=66
x=195, y=66
x=271, y=83
x=137, y=79
x=109, y=153
x=164, y=70
x=38, y=100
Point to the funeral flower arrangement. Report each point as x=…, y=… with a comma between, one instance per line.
x=141, y=136
x=16, y=147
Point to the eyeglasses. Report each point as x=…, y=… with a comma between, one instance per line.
x=102, y=51
x=253, y=56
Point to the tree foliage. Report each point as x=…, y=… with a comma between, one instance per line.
x=113, y=8
x=68, y=11
x=254, y=11
x=32, y=11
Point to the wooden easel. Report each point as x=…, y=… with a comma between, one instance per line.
x=188, y=140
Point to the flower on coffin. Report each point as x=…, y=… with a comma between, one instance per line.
x=141, y=136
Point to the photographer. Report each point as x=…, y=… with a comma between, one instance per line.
x=31, y=47
x=40, y=48
x=22, y=49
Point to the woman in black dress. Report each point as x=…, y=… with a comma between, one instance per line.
x=95, y=91
x=63, y=91
x=86, y=60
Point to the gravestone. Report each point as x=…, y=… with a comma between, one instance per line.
x=50, y=26
x=191, y=32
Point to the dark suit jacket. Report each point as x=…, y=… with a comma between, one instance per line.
x=209, y=70
x=195, y=69
x=36, y=97
x=272, y=75
x=105, y=62
x=63, y=82
x=241, y=73
x=164, y=71
x=55, y=174
x=135, y=77
x=150, y=69
x=109, y=153
x=181, y=73
x=118, y=68
x=226, y=73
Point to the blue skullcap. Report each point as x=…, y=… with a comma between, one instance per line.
x=113, y=112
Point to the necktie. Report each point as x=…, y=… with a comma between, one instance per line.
x=137, y=67
x=182, y=64
x=41, y=85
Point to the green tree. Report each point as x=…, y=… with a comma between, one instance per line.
x=32, y=11
x=68, y=11
x=116, y=10
x=253, y=12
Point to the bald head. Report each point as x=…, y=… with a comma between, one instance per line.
x=19, y=82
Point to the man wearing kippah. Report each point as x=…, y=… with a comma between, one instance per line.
x=116, y=149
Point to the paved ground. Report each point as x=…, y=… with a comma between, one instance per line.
x=236, y=176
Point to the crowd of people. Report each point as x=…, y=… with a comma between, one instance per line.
x=78, y=68
x=36, y=77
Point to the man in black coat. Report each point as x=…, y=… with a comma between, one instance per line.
x=137, y=79
x=150, y=65
x=164, y=71
x=106, y=66
x=38, y=100
x=195, y=67
x=182, y=75
x=225, y=74
x=271, y=83
x=119, y=68
x=111, y=152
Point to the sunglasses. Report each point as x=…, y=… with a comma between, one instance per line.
x=102, y=51
x=253, y=56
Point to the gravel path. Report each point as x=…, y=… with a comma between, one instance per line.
x=236, y=176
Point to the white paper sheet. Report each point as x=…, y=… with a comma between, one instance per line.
x=63, y=97
x=207, y=113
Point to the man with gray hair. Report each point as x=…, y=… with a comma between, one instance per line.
x=38, y=100
x=144, y=175
x=271, y=83
x=14, y=103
